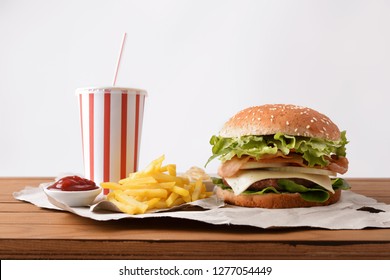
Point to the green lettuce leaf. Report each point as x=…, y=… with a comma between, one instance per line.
x=339, y=183
x=313, y=150
x=316, y=194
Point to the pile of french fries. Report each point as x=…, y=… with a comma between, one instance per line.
x=155, y=187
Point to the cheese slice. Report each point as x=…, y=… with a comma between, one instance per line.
x=244, y=178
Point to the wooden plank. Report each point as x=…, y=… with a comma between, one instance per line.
x=169, y=230
x=50, y=217
x=17, y=206
x=113, y=249
x=6, y=182
x=11, y=184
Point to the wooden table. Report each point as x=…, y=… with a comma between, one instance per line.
x=28, y=232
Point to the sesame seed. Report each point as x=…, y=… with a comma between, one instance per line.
x=287, y=123
x=324, y=128
x=308, y=126
x=311, y=121
x=296, y=129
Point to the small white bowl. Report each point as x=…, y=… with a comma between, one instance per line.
x=73, y=198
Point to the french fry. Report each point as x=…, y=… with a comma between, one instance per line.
x=171, y=199
x=197, y=190
x=149, y=193
x=111, y=186
x=137, y=181
x=152, y=203
x=162, y=177
x=180, y=191
x=155, y=165
x=162, y=204
x=178, y=201
x=187, y=198
x=140, y=207
x=171, y=169
x=125, y=208
x=128, y=209
x=155, y=187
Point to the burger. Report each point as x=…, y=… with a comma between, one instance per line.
x=280, y=156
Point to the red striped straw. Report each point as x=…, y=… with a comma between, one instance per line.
x=119, y=59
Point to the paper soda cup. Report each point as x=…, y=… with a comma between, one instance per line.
x=111, y=124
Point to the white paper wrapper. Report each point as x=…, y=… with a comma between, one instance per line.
x=342, y=215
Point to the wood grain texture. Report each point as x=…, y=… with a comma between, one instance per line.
x=28, y=232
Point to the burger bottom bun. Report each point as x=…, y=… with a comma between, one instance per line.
x=272, y=200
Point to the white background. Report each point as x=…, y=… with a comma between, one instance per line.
x=110, y=269
x=201, y=62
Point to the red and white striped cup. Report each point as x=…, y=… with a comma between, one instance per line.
x=111, y=124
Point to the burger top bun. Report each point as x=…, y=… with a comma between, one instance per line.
x=281, y=118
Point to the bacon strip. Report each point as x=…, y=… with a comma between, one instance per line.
x=231, y=167
x=338, y=164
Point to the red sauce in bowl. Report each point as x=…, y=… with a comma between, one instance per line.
x=73, y=183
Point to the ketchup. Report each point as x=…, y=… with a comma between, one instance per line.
x=73, y=183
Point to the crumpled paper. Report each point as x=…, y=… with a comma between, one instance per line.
x=353, y=211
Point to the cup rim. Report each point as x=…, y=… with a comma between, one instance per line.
x=86, y=90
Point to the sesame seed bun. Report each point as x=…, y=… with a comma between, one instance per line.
x=272, y=200
x=281, y=118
